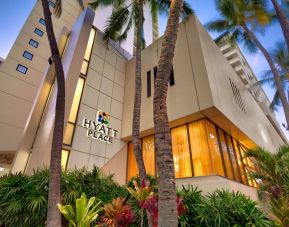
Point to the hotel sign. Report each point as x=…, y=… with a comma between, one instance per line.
x=100, y=129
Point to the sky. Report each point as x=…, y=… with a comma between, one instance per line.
x=13, y=14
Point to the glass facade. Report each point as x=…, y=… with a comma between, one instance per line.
x=199, y=149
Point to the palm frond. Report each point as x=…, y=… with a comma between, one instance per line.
x=219, y=25
x=124, y=33
x=249, y=44
x=94, y=4
x=276, y=102
x=58, y=8
x=81, y=5
x=154, y=14
x=116, y=22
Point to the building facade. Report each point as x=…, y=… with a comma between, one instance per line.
x=213, y=116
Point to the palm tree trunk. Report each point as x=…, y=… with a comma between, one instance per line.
x=137, y=99
x=53, y=215
x=167, y=206
x=283, y=20
x=276, y=75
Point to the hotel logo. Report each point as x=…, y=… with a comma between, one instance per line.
x=100, y=129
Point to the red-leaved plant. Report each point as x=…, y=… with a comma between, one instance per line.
x=118, y=214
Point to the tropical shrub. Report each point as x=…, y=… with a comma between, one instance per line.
x=22, y=195
x=23, y=199
x=271, y=172
x=118, y=213
x=221, y=208
x=84, y=214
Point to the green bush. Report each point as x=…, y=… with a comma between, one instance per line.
x=221, y=208
x=23, y=199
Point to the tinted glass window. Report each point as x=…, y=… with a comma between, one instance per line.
x=38, y=32
x=27, y=55
x=42, y=21
x=33, y=43
x=21, y=68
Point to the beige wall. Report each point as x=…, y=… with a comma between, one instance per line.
x=201, y=86
x=103, y=91
x=72, y=61
x=253, y=122
x=18, y=92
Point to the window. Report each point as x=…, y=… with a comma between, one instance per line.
x=89, y=44
x=67, y=138
x=199, y=148
x=233, y=158
x=214, y=148
x=155, y=72
x=202, y=162
x=33, y=43
x=38, y=32
x=84, y=67
x=21, y=68
x=237, y=96
x=181, y=152
x=149, y=84
x=42, y=21
x=172, y=78
x=27, y=55
x=148, y=152
x=76, y=100
x=131, y=162
x=64, y=158
x=226, y=155
x=240, y=162
x=52, y=4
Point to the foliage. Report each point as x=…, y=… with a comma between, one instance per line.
x=121, y=20
x=280, y=56
x=21, y=195
x=237, y=14
x=272, y=175
x=117, y=213
x=84, y=214
x=134, y=203
x=221, y=208
x=92, y=183
x=142, y=193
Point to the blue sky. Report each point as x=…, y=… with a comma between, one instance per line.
x=14, y=13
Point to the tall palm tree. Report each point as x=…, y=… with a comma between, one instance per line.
x=237, y=16
x=281, y=59
x=53, y=215
x=117, y=28
x=164, y=157
x=118, y=25
x=283, y=20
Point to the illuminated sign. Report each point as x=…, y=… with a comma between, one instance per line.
x=100, y=129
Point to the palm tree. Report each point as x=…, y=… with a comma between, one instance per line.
x=283, y=20
x=281, y=59
x=118, y=25
x=164, y=157
x=117, y=28
x=236, y=18
x=271, y=173
x=53, y=215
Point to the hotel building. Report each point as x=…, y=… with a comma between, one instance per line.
x=213, y=116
